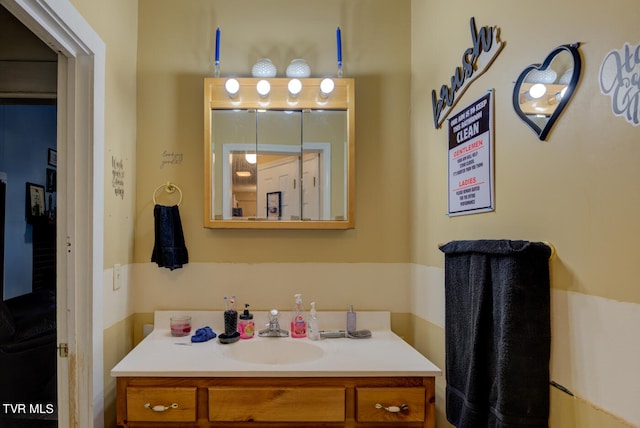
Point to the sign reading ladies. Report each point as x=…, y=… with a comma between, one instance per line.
x=471, y=158
x=620, y=79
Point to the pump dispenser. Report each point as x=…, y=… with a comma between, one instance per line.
x=246, y=326
x=351, y=320
x=298, y=323
x=313, y=331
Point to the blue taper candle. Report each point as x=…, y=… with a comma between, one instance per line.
x=339, y=43
x=218, y=45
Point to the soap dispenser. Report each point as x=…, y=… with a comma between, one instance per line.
x=298, y=323
x=351, y=320
x=246, y=326
x=313, y=332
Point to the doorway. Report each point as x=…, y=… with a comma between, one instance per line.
x=80, y=206
x=28, y=145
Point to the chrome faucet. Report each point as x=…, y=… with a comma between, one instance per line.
x=273, y=327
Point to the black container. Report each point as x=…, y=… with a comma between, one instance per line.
x=230, y=322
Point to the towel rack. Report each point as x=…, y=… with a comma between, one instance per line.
x=547, y=243
x=169, y=187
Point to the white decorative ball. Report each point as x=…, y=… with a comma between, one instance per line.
x=542, y=76
x=263, y=68
x=298, y=68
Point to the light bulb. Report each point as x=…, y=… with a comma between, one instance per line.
x=251, y=158
x=537, y=90
x=326, y=87
x=232, y=86
x=294, y=86
x=263, y=87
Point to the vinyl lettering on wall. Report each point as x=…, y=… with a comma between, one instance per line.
x=170, y=158
x=117, y=176
x=475, y=61
x=620, y=79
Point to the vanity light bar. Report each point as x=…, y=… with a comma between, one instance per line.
x=294, y=87
x=280, y=92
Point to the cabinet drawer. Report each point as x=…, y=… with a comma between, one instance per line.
x=172, y=404
x=370, y=400
x=277, y=404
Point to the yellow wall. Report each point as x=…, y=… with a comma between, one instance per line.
x=576, y=190
x=116, y=22
x=175, y=53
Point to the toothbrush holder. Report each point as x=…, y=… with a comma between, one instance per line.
x=230, y=322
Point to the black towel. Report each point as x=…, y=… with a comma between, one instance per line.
x=497, y=333
x=169, y=249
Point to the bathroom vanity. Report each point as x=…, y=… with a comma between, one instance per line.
x=276, y=382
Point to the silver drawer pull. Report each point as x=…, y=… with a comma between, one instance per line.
x=160, y=408
x=393, y=409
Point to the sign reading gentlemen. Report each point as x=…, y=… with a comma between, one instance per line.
x=475, y=61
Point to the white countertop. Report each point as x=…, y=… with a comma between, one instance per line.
x=384, y=354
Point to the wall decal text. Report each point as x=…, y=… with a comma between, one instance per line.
x=117, y=176
x=475, y=61
x=170, y=158
x=620, y=79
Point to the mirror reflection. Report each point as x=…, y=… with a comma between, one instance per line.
x=280, y=167
x=542, y=90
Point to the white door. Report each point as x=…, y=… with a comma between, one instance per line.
x=311, y=185
x=282, y=175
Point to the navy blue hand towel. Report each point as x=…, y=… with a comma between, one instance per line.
x=169, y=249
x=497, y=333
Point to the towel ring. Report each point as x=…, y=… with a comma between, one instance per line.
x=169, y=188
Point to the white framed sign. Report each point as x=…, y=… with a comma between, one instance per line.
x=471, y=167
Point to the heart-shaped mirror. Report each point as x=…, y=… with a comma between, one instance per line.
x=543, y=90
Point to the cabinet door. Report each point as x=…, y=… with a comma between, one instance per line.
x=152, y=404
x=390, y=404
x=277, y=404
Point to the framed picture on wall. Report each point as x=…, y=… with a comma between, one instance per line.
x=274, y=205
x=51, y=180
x=35, y=202
x=52, y=157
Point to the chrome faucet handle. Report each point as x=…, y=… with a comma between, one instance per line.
x=273, y=320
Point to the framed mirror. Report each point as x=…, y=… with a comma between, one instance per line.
x=279, y=153
x=543, y=90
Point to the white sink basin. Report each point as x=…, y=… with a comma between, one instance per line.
x=273, y=351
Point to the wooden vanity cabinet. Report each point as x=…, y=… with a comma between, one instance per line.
x=354, y=402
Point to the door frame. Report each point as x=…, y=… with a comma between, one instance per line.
x=80, y=219
x=227, y=175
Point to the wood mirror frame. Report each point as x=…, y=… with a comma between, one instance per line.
x=309, y=101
